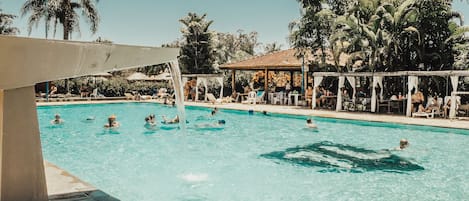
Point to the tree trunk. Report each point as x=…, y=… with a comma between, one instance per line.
x=67, y=11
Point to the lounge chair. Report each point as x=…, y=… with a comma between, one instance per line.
x=213, y=100
x=424, y=114
x=95, y=93
x=129, y=96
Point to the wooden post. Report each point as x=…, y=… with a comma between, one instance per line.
x=266, y=77
x=233, y=81
x=291, y=79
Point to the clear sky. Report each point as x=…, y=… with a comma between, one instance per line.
x=154, y=22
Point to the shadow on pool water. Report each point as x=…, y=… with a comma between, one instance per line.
x=343, y=158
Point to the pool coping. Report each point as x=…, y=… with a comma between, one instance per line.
x=63, y=186
x=297, y=110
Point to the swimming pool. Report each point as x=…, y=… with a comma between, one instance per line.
x=133, y=163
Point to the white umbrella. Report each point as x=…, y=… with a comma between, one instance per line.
x=138, y=76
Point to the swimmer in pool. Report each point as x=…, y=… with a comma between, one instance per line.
x=403, y=143
x=112, y=123
x=217, y=124
x=175, y=120
x=311, y=124
x=57, y=120
x=150, y=122
x=214, y=111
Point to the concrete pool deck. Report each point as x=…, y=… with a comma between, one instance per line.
x=63, y=186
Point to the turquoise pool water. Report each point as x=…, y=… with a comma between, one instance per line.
x=254, y=157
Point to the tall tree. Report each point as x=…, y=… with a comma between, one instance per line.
x=6, y=22
x=62, y=12
x=231, y=47
x=272, y=47
x=312, y=31
x=197, y=54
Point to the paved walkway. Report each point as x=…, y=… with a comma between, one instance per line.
x=363, y=116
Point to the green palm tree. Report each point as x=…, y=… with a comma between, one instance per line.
x=6, y=21
x=197, y=54
x=62, y=12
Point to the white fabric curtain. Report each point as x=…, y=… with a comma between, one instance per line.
x=220, y=80
x=380, y=84
x=352, y=82
x=373, y=94
x=199, y=81
x=411, y=84
x=316, y=82
x=454, y=84
x=338, y=107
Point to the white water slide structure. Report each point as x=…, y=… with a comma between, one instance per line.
x=25, y=62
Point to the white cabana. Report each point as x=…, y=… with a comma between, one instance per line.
x=204, y=79
x=378, y=81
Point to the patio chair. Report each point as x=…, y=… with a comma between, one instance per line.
x=251, y=99
x=260, y=97
x=129, y=96
x=95, y=93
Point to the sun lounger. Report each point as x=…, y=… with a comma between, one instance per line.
x=213, y=100
x=424, y=114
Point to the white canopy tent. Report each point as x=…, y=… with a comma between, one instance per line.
x=378, y=81
x=204, y=79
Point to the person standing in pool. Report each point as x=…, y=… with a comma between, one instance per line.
x=404, y=143
x=57, y=120
x=112, y=123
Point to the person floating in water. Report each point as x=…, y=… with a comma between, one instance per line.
x=90, y=118
x=311, y=124
x=112, y=123
x=214, y=111
x=217, y=124
x=150, y=121
x=57, y=120
x=404, y=143
x=175, y=120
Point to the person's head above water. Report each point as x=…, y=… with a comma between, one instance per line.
x=221, y=121
x=309, y=121
x=264, y=112
x=251, y=111
x=404, y=143
x=57, y=116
